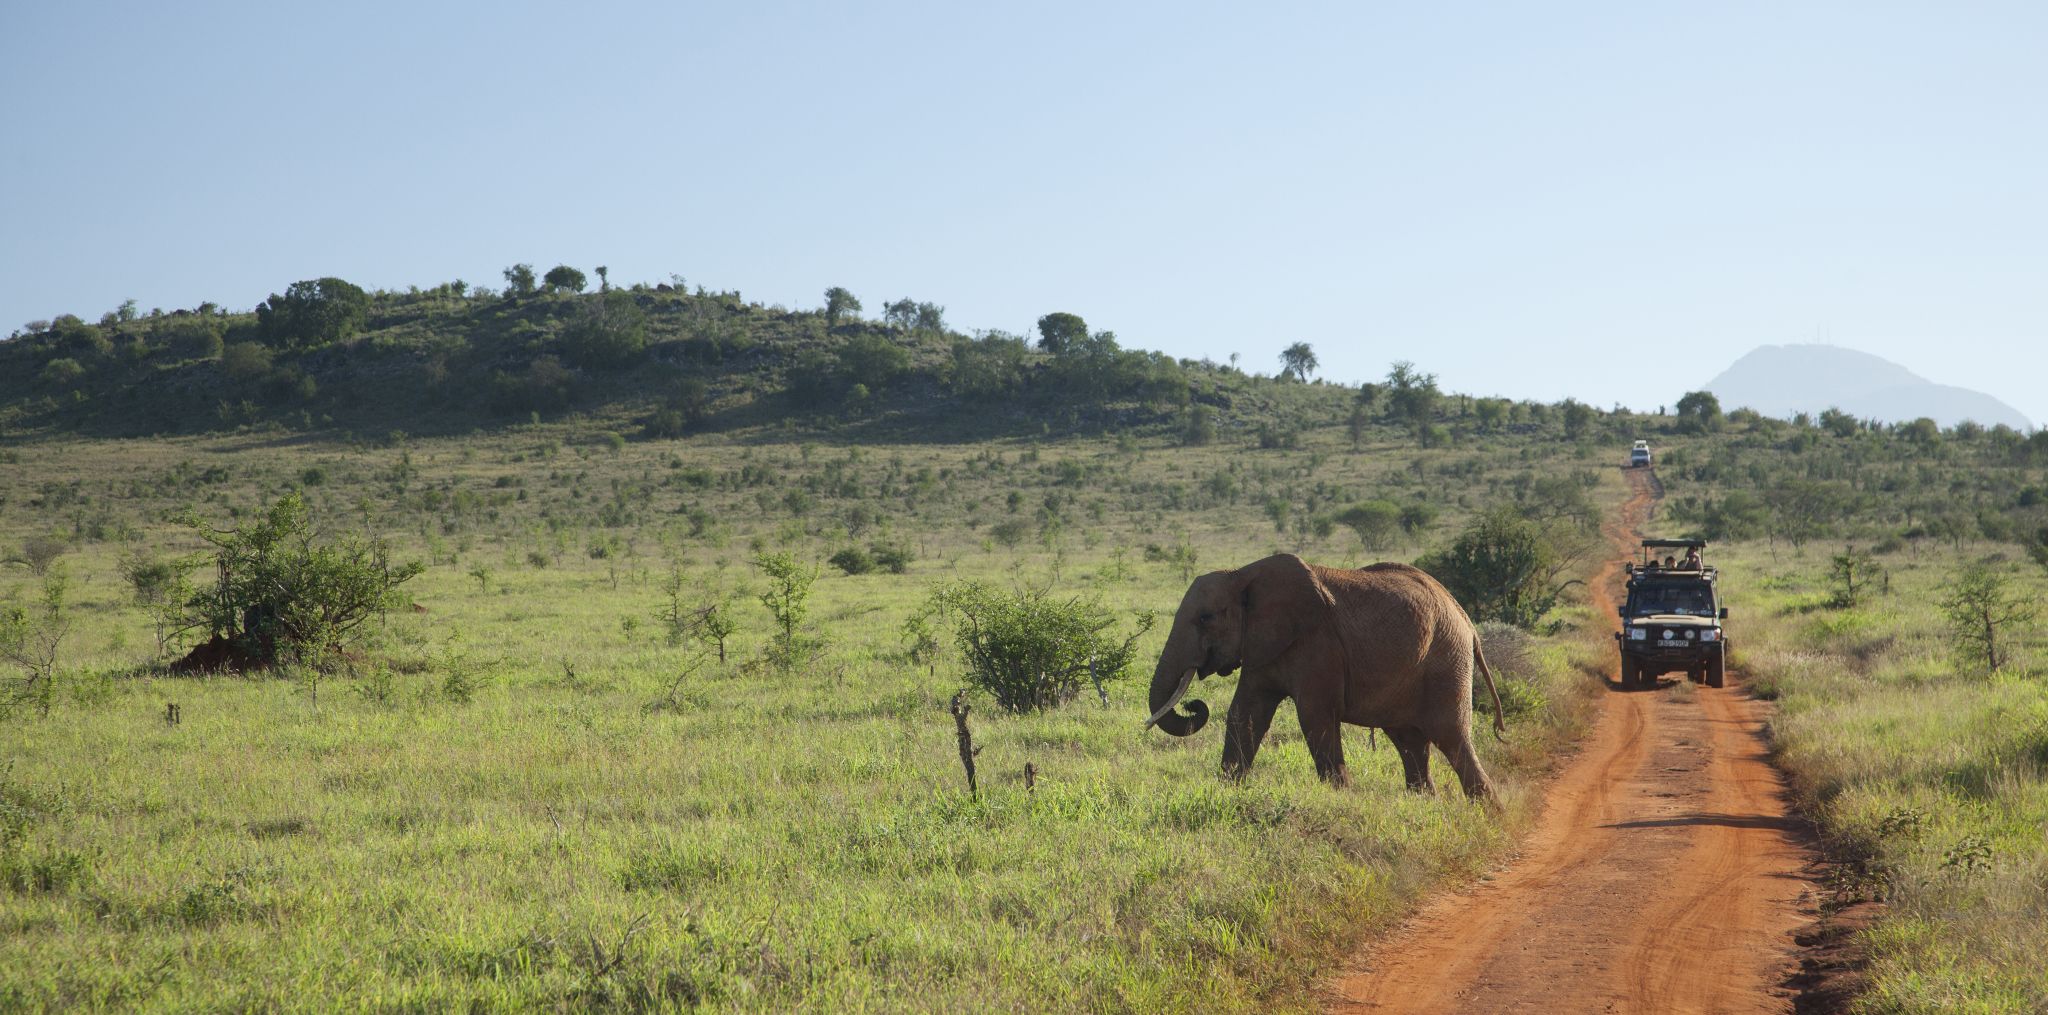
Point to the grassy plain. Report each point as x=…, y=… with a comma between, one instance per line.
x=528, y=797
x=1925, y=775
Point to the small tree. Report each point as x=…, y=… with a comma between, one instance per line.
x=33, y=639
x=1578, y=419
x=279, y=594
x=788, y=601
x=1060, y=332
x=563, y=279
x=1298, y=360
x=519, y=280
x=1850, y=574
x=900, y=314
x=162, y=587
x=1699, y=412
x=1412, y=396
x=1030, y=650
x=1982, y=608
x=839, y=302
x=604, y=279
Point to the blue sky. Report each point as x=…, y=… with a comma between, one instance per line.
x=1608, y=201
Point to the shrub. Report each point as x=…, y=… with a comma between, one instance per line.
x=852, y=560
x=278, y=594
x=611, y=332
x=246, y=361
x=39, y=552
x=1030, y=650
x=61, y=372
x=893, y=559
x=1503, y=567
x=545, y=386
x=189, y=337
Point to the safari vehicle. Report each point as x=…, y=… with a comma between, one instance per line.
x=1639, y=456
x=1672, y=620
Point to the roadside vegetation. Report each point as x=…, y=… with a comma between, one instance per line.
x=1883, y=584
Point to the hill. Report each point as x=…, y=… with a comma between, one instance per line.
x=1784, y=380
x=655, y=360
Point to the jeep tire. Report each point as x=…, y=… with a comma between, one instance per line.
x=1717, y=667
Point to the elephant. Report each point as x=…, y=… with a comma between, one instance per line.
x=1381, y=646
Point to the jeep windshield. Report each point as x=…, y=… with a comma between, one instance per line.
x=1684, y=600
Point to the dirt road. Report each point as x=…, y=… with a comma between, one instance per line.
x=1663, y=876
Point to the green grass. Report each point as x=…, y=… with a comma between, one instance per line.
x=1927, y=775
x=586, y=831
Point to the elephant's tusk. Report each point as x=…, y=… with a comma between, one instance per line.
x=1180, y=692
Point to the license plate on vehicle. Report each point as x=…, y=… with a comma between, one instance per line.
x=1669, y=643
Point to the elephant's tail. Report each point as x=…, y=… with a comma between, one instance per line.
x=1500, y=726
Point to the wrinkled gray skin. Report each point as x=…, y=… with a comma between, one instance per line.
x=1383, y=646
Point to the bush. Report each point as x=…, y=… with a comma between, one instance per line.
x=189, y=337
x=278, y=594
x=563, y=279
x=610, y=333
x=852, y=560
x=244, y=362
x=1501, y=568
x=311, y=313
x=61, y=372
x=893, y=559
x=1029, y=650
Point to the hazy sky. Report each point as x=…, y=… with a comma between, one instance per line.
x=1607, y=201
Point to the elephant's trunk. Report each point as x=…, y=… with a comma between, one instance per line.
x=1170, y=683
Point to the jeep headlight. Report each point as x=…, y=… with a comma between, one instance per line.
x=1710, y=635
x=1638, y=633
x=1689, y=635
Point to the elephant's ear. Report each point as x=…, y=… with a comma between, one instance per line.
x=1283, y=600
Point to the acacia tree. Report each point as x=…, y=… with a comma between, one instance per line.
x=1982, y=608
x=1299, y=361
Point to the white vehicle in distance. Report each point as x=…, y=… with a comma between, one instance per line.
x=1639, y=456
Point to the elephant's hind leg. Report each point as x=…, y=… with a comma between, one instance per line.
x=1251, y=714
x=1465, y=761
x=1413, y=747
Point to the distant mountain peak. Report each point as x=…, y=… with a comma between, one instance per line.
x=1783, y=380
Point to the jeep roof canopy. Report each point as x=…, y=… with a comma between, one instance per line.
x=1674, y=543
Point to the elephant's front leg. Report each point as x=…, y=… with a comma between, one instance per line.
x=1251, y=713
x=1321, y=727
